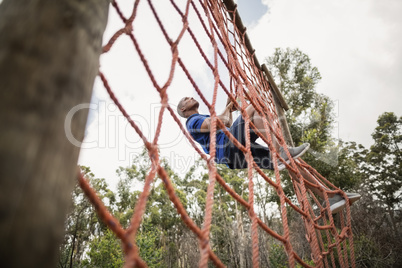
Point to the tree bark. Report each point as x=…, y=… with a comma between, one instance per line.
x=241, y=236
x=49, y=57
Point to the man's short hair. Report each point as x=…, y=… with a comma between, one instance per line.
x=179, y=106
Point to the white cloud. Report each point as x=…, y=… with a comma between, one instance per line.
x=356, y=46
x=116, y=142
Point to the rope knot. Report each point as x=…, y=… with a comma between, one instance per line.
x=128, y=29
x=152, y=151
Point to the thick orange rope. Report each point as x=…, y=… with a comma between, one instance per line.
x=247, y=81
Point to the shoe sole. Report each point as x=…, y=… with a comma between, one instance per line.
x=353, y=197
x=338, y=206
x=282, y=166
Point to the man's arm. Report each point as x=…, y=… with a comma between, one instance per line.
x=225, y=117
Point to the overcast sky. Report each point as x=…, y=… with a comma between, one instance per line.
x=355, y=44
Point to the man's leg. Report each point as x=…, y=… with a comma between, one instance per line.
x=295, y=152
x=317, y=185
x=259, y=124
x=336, y=201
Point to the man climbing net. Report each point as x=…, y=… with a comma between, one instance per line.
x=235, y=68
x=199, y=126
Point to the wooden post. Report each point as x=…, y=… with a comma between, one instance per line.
x=283, y=122
x=49, y=57
x=280, y=102
x=230, y=6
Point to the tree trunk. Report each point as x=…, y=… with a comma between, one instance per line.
x=393, y=223
x=49, y=57
x=241, y=236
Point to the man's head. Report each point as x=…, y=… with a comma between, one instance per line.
x=187, y=106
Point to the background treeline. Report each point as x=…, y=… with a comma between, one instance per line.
x=163, y=239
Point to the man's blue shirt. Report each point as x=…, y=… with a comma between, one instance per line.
x=193, y=125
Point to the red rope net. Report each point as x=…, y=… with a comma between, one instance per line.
x=236, y=73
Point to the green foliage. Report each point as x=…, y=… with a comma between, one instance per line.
x=85, y=233
x=105, y=251
x=369, y=254
x=345, y=170
x=161, y=223
x=375, y=173
x=310, y=117
x=147, y=242
x=384, y=161
x=82, y=222
x=297, y=78
x=277, y=256
x=377, y=216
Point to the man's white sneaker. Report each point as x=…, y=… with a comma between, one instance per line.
x=295, y=152
x=337, y=203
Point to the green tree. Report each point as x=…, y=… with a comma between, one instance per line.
x=385, y=165
x=311, y=119
x=377, y=218
x=310, y=116
x=82, y=222
x=105, y=251
x=159, y=237
x=346, y=170
x=148, y=241
x=89, y=243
